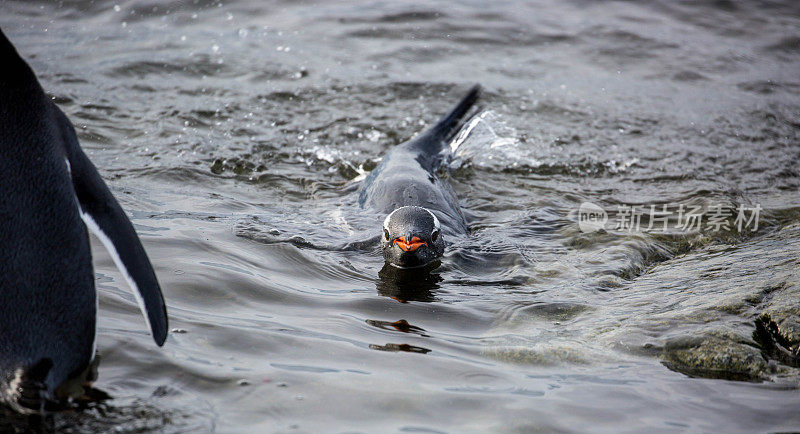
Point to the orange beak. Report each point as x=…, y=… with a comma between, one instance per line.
x=415, y=243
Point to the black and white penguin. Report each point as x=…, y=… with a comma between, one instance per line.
x=421, y=208
x=50, y=193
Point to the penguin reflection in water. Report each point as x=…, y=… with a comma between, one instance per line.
x=50, y=193
x=421, y=209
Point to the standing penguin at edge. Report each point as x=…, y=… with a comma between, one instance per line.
x=50, y=193
x=421, y=207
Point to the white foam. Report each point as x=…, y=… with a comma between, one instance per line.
x=465, y=132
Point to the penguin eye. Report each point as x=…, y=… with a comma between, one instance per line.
x=386, y=233
x=434, y=235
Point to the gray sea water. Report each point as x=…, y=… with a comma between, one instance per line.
x=235, y=133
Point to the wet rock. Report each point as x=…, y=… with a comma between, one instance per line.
x=774, y=343
x=783, y=310
x=552, y=311
x=771, y=316
x=719, y=311
x=713, y=356
x=542, y=355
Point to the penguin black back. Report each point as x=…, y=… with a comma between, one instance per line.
x=49, y=193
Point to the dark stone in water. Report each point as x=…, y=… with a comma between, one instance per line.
x=715, y=357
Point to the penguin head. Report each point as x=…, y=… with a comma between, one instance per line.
x=411, y=237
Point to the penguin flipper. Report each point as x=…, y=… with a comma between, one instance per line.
x=450, y=123
x=103, y=215
x=432, y=141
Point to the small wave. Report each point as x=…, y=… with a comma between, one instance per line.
x=766, y=87
x=198, y=66
x=488, y=143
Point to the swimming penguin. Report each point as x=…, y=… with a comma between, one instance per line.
x=421, y=208
x=50, y=193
